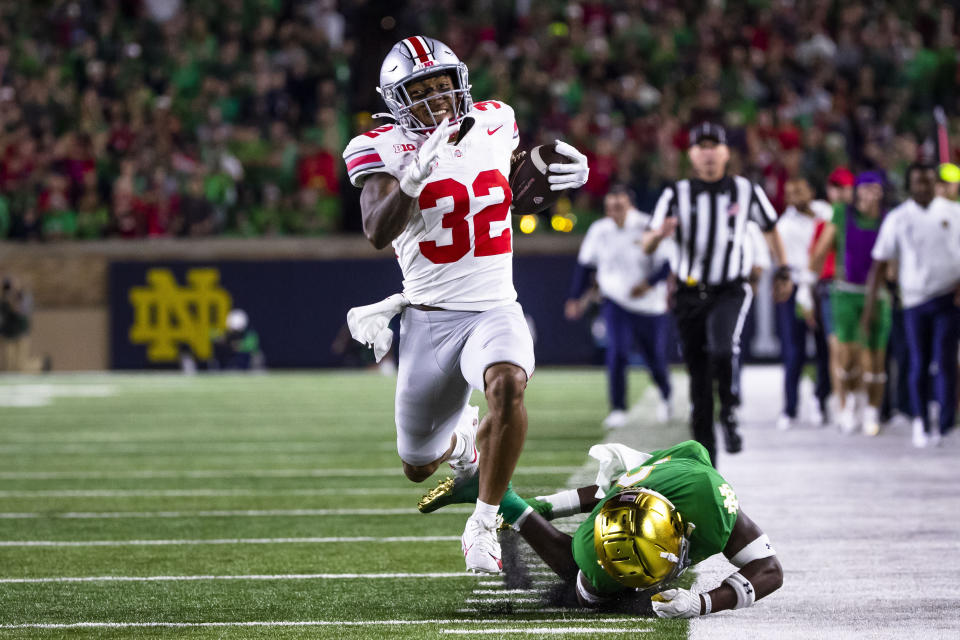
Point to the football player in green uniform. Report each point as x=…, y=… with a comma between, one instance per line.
x=651, y=516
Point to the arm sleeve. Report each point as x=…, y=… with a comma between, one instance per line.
x=664, y=208
x=582, y=277
x=885, y=248
x=761, y=211
x=660, y=274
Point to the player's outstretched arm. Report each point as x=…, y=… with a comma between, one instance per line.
x=759, y=574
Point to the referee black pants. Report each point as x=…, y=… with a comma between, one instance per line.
x=709, y=321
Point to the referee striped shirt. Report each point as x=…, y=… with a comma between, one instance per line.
x=711, y=231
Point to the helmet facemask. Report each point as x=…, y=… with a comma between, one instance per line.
x=401, y=106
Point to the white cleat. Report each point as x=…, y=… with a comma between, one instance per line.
x=871, y=420
x=848, y=420
x=785, y=422
x=919, y=434
x=467, y=465
x=616, y=420
x=481, y=549
x=935, y=437
x=664, y=411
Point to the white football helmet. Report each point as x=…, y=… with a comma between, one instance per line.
x=415, y=58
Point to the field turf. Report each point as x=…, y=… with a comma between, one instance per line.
x=264, y=506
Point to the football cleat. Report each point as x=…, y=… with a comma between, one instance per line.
x=481, y=549
x=450, y=491
x=616, y=420
x=919, y=434
x=731, y=435
x=785, y=422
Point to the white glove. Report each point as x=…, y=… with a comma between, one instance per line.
x=571, y=175
x=676, y=603
x=369, y=324
x=418, y=172
x=615, y=460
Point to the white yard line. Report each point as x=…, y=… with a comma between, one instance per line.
x=238, y=473
x=281, y=576
x=221, y=513
x=542, y=631
x=218, y=541
x=285, y=623
x=204, y=493
x=501, y=600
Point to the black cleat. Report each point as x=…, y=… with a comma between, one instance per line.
x=731, y=434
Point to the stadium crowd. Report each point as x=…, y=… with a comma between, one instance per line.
x=187, y=118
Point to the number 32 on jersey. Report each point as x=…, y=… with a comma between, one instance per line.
x=455, y=214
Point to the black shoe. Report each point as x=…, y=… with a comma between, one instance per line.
x=731, y=435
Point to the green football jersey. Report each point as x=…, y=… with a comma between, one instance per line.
x=683, y=474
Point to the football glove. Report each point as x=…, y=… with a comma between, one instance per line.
x=676, y=603
x=568, y=175
x=417, y=173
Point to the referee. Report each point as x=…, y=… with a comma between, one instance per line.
x=708, y=215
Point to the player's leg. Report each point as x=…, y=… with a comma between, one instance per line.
x=823, y=386
x=650, y=332
x=431, y=395
x=946, y=334
x=917, y=330
x=874, y=367
x=792, y=360
x=692, y=328
x=617, y=322
x=724, y=327
x=497, y=357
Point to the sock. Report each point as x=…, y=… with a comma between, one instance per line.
x=459, y=447
x=565, y=503
x=518, y=523
x=486, y=513
x=513, y=507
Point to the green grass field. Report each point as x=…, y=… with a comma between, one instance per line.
x=274, y=499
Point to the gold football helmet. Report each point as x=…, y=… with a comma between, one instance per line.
x=639, y=539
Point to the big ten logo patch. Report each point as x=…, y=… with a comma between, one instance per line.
x=403, y=148
x=167, y=315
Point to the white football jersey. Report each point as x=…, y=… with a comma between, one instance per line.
x=457, y=250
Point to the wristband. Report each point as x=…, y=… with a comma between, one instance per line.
x=744, y=590
x=707, y=603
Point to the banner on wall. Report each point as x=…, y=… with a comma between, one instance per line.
x=299, y=307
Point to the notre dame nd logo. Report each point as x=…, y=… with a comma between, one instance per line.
x=166, y=315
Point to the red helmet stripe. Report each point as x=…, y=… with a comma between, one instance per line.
x=418, y=48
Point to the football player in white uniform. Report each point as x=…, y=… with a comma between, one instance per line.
x=436, y=185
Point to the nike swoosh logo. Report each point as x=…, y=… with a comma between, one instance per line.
x=490, y=132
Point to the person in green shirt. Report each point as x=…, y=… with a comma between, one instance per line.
x=651, y=516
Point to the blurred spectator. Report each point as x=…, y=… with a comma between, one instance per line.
x=237, y=347
x=248, y=94
x=16, y=307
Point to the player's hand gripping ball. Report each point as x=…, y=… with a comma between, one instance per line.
x=536, y=182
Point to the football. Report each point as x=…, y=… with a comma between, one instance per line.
x=528, y=181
